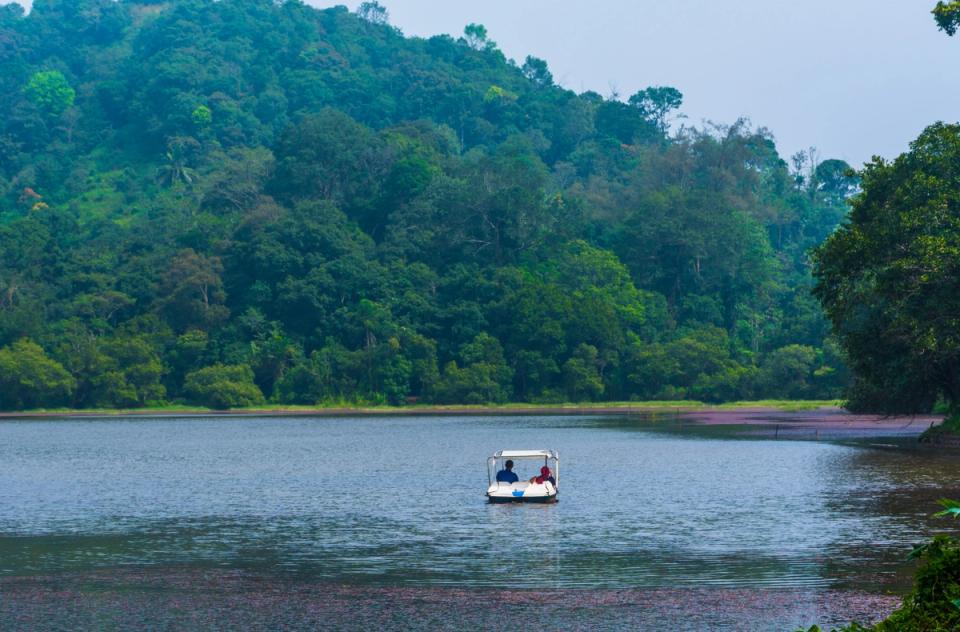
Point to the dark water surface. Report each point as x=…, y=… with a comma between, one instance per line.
x=359, y=522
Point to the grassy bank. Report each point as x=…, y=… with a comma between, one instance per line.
x=430, y=409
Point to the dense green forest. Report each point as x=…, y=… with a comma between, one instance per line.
x=235, y=202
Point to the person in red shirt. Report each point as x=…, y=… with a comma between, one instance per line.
x=545, y=475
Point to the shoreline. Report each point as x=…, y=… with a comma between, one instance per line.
x=627, y=408
x=792, y=416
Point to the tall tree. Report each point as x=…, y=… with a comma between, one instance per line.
x=373, y=12
x=192, y=291
x=536, y=70
x=890, y=278
x=475, y=36
x=656, y=104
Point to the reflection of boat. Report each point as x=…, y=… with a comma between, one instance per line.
x=523, y=491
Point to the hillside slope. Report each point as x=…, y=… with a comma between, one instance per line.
x=226, y=202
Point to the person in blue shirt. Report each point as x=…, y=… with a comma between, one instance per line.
x=507, y=475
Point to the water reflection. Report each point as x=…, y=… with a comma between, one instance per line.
x=885, y=498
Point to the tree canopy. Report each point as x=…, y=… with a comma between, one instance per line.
x=890, y=278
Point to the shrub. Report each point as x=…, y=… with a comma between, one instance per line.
x=29, y=379
x=223, y=386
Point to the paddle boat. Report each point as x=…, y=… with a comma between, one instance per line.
x=523, y=491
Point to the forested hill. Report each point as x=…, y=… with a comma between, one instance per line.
x=221, y=202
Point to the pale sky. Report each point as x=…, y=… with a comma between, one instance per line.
x=852, y=77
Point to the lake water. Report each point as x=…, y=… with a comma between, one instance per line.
x=347, y=523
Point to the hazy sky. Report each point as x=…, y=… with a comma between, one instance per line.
x=852, y=77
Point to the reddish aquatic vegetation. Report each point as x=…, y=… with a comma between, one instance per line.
x=221, y=599
x=823, y=422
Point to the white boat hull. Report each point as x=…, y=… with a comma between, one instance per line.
x=522, y=492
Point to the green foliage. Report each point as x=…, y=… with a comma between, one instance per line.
x=373, y=12
x=788, y=370
x=307, y=382
x=123, y=371
x=536, y=70
x=853, y=627
x=30, y=379
x=888, y=279
x=50, y=92
x=192, y=291
x=221, y=387
x=836, y=180
x=356, y=216
x=696, y=364
x=934, y=603
x=202, y=116
x=950, y=508
x=475, y=36
x=947, y=16
x=656, y=104
x=581, y=375
x=176, y=168
x=483, y=378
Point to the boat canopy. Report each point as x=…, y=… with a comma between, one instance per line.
x=525, y=454
x=503, y=455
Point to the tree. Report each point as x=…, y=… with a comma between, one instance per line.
x=223, y=386
x=787, y=372
x=202, y=116
x=178, y=157
x=582, y=376
x=307, y=382
x=30, y=379
x=889, y=279
x=329, y=156
x=192, y=294
x=50, y=92
x=535, y=70
x=836, y=180
x=373, y=12
x=501, y=211
x=484, y=377
x=475, y=36
x=947, y=16
x=186, y=355
x=239, y=179
x=696, y=364
x=657, y=103
x=624, y=123
x=122, y=371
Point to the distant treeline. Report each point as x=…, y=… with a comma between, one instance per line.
x=230, y=202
